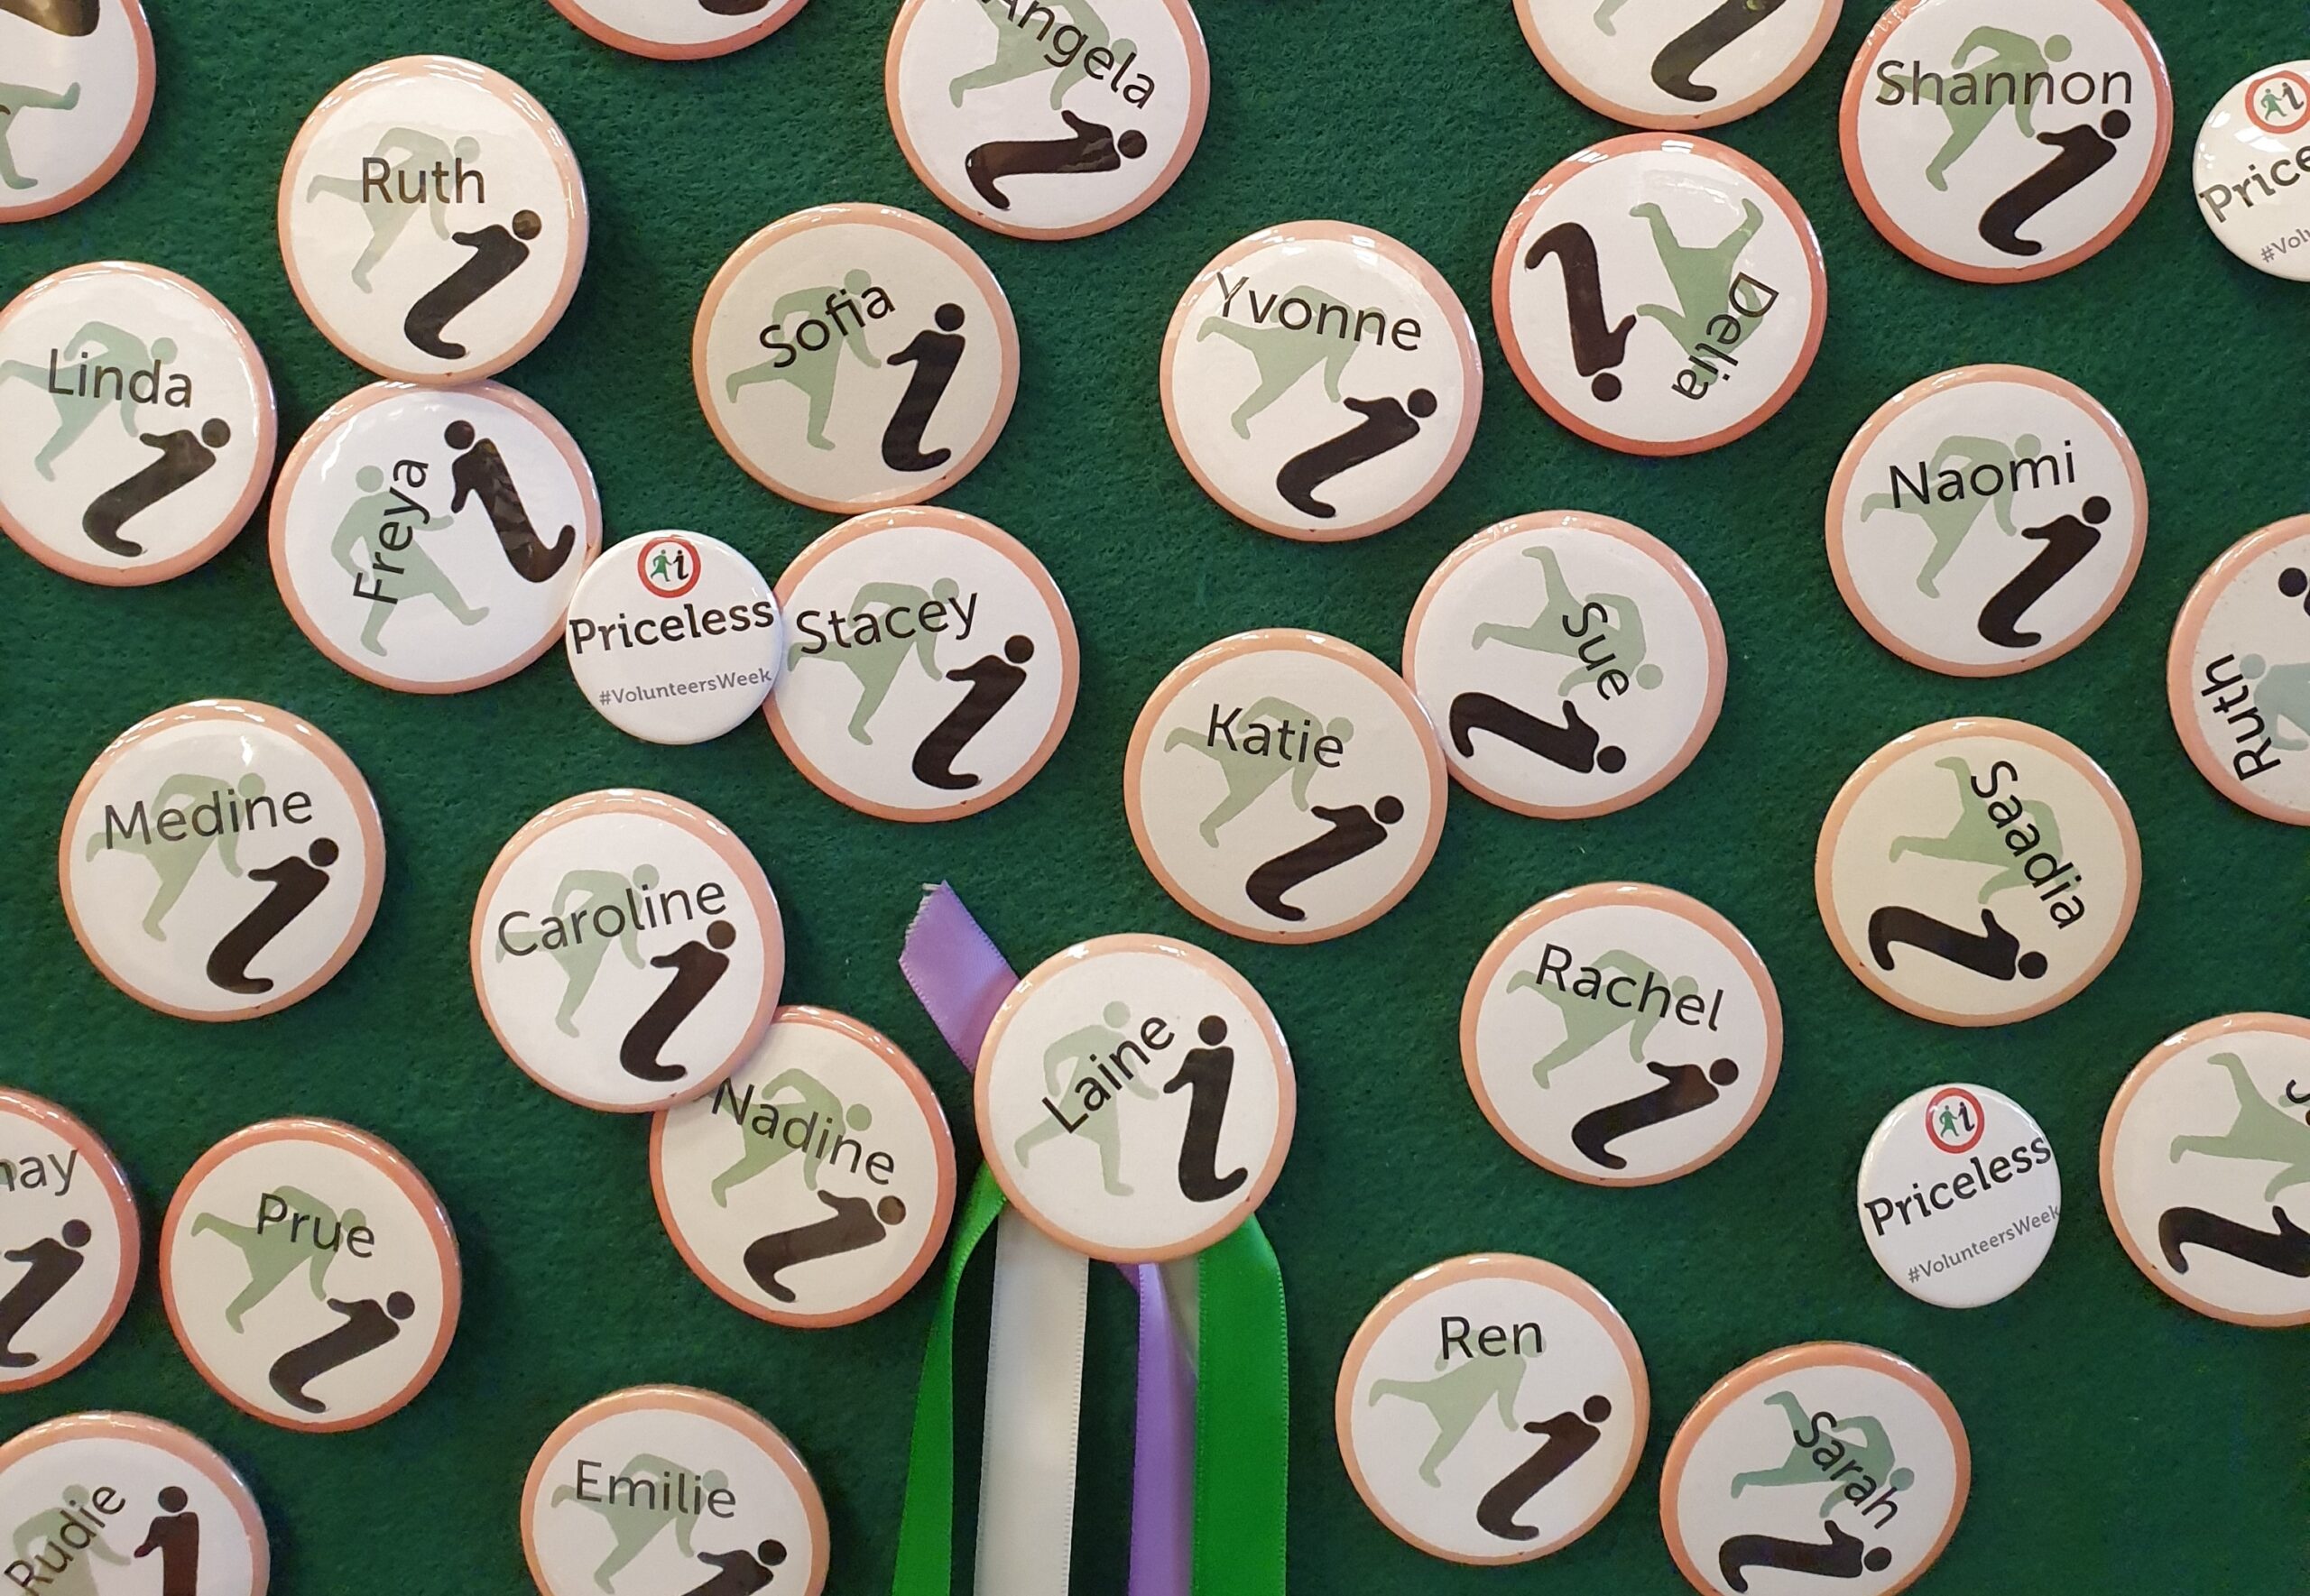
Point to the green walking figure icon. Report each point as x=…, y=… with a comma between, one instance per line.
x=1250, y=774
x=1021, y=52
x=1860, y=1442
x=763, y=1153
x=45, y=1532
x=281, y=1249
x=1083, y=1049
x=2012, y=59
x=1701, y=274
x=1589, y=1021
x=1605, y=12
x=177, y=862
x=1458, y=1397
x=2282, y=694
x=1564, y=626
x=812, y=371
x=636, y=1518
x=2262, y=1132
x=359, y=551
x=99, y=343
x=1951, y=521
x=411, y=156
x=1977, y=839
x=14, y=99
x=1285, y=355
x=877, y=664
x=581, y=959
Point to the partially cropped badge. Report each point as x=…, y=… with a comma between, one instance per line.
x=1285, y=785
x=1959, y=1196
x=1048, y=128
x=1687, y=64
x=69, y=1218
x=624, y=1469
x=2249, y=170
x=221, y=859
x=1135, y=1098
x=1978, y=871
x=1321, y=381
x=311, y=1274
x=2238, y=673
x=83, y=91
x=1573, y=663
x=428, y=539
x=1987, y=519
x=1620, y=1034
x=1816, y=1463
x=1659, y=295
x=2205, y=1168
x=674, y=637
x=1491, y=1409
x=1999, y=145
x=683, y=30
x=627, y=950
x=432, y=219
x=813, y=1187
x=136, y=421
x=128, y=1492
x=855, y=356
x=932, y=666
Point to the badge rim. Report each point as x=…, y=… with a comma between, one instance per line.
x=140, y=116
x=2181, y=693
x=122, y=1197
x=1596, y=100
x=599, y=565
x=576, y=15
x=1880, y=1139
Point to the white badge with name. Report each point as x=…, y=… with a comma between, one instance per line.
x=68, y=1217
x=82, y=92
x=674, y=637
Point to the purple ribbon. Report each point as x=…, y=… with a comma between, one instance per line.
x=962, y=978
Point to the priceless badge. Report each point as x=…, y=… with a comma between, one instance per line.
x=1491, y=1409
x=1093, y=1048
x=311, y=1274
x=674, y=637
x=627, y=950
x=1620, y=1034
x=1816, y=1463
x=1285, y=785
x=855, y=356
x=84, y=91
x=682, y=31
x=814, y=1187
x=1659, y=295
x=1999, y=146
x=136, y=421
x=432, y=219
x=1574, y=663
x=132, y=1493
x=625, y=1468
x=221, y=859
x=429, y=538
x=932, y=668
x=1694, y=63
x=1987, y=519
x=2205, y=1168
x=1978, y=871
x=2250, y=166
x=1321, y=381
x=2238, y=673
x=1043, y=128
x=68, y=1217
x=1959, y=1196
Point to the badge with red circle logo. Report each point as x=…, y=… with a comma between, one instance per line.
x=1959, y=1196
x=674, y=637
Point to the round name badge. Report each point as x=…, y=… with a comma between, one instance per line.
x=1321, y=381
x=1574, y=663
x=932, y=664
x=853, y=358
x=1694, y=63
x=429, y=539
x=85, y=92
x=1045, y=131
x=221, y=859
x=621, y=1470
x=674, y=637
x=311, y=1274
x=1094, y=1047
x=69, y=1218
x=136, y=421
x=2205, y=1168
x=1987, y=519
x=2238, y=673
x=1491, y=1409
x=627, y=950
x=2249, y=165
x=682, y=32
x=1959, y=1196
x=1659, y=295
x=432, y=219
x=1815, y=1462
x=122, y=1490
x=1285, y=785
x=2000, y=148
x=1620, y=1034
x=815, y=1185
x=1977, y=872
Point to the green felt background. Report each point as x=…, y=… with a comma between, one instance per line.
x=2120, y=1442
